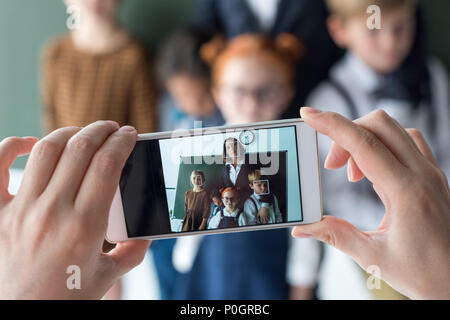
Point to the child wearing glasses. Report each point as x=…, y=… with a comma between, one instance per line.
x=229, y=216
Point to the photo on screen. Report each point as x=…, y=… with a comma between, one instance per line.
x=212, y=181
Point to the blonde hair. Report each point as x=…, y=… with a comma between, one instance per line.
x=254, y=175
x=198, y=173
x=346, y=9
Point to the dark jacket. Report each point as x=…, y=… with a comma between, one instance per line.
x=303, y=18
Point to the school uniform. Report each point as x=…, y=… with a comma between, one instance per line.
x=354, y=90
x=226, y=219
x=302, y=18
x=255, y=202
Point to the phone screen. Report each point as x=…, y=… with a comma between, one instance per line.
x=213, y=180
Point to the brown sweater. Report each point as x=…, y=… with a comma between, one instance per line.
x=80, y=88
x=196, y=207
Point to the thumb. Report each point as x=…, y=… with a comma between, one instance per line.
x=127, y=255
x=10, y=149
x=340, y=234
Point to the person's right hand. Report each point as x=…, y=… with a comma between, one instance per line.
x=58, y=218
x=411, y=247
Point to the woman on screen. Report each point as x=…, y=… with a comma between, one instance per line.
x=236, y=170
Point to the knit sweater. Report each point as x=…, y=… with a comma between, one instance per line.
x=80, y=88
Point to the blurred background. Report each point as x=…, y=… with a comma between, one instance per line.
x=26, y=25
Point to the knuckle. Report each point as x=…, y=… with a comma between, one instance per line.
x=46, y=148
x=414, y=132
x=108, y=162
x=380, y=115
x=368, y=141
x=333, y=116
x=81, y=143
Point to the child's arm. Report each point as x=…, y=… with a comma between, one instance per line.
x=214, y=221
x=250, y=212
x=206, y=210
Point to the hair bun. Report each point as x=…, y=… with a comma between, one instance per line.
x=290, y=46
x=212, y=49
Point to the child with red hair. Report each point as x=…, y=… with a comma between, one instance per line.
x=253, y=80
x=253, y=76
x=230, y=215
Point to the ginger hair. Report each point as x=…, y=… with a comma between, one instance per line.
x=285, y=51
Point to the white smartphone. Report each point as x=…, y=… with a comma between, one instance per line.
x=219, y=179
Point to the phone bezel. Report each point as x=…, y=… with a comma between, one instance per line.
x=309, y=166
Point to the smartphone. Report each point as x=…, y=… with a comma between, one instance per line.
x=215, y=180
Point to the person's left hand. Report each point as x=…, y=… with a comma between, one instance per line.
x=53, y=230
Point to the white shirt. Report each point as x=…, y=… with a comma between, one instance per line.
x=250, y=213
x=234, y=172
x=356, y=202
x=215, y=220
x=265, y=11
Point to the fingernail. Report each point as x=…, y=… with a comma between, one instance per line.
x=308, y=111
x=325, y=164
x=302, y=235
x=127, y=129
x=349, y=173
x=297, y=233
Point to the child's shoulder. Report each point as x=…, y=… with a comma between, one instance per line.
x=53, y=49
x=135, y=51
x=327, y=95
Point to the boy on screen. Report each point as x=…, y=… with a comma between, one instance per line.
x=262, y=206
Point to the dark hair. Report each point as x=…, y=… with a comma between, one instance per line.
x=237, y=144
x=181, y=54
x=216, y=193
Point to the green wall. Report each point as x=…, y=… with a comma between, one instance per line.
x=25, y=25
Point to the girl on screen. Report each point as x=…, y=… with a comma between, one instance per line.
x=196, y=204
x=229, y=216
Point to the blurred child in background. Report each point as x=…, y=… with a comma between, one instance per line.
x=97, y=71
x=304, y=19
x=253, y=80
x=187, y=82
x=368, y=78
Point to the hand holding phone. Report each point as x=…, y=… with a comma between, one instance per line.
x=410, y=248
